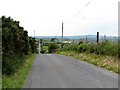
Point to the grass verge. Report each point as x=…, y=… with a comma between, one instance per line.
x=107, y=62
x=17, y=80
x=0, y=82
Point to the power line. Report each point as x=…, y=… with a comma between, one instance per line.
x=57, y=32
x=77, y=13
x=74, y=15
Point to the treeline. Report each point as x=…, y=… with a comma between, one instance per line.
x=103, y=48
x=16, y=45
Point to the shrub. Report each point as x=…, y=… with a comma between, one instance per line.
x=52, y=47
x=70, y=47
x=16, y=44
x=103, y=48
x=42, y=51
x=91, y=48
x=80, y=42
x=108, y=48
x=82, y=47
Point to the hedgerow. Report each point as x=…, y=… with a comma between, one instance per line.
x=16, y=44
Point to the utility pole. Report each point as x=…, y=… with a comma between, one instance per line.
x=105, y=37
x=86, y=38
x=39, y=46
x=34, y=38
x=97, y=37
x=34, y=33
x=62, y=34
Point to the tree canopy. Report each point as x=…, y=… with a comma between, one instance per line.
x=15, y=44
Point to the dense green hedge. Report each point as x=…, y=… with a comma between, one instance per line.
x=16, y=44
x=52, y=47
x=70, y=47
x=103, y=48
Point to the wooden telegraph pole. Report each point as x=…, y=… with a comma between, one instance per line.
x=39, y=46
x=34, y=38
x=97, y=37
x=34, y=33
x=105, y=37
x=62, y=34
x=86, y=39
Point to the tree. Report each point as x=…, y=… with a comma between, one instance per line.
x=52, y=47
x=53, y=39
x=15, y=45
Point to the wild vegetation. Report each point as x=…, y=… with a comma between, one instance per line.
x=52, y=47
x=104, y=54
x=17, y=80
x=18, y=52
x=16, y=45
x=103, y=48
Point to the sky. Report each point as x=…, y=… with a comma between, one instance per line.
x=45, y=17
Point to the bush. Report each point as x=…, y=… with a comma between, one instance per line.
x=11, y=64
x=103, y=48
x=52, y=47
x=70, y=47
x=16, y=44
x=82, y=47
x=42, y=51
x=93, y=48
x=108, y=48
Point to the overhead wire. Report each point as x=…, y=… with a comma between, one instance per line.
x=73, y=17
x=57, y=32
x=77, y=13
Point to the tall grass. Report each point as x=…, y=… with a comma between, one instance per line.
x=17, y=80
x=104, y=54
x=107, y=62
x=103, y=48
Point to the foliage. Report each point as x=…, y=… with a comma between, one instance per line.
x=53, y=39
x=108, y=48
x=103, y=48
x=44, y=49
x=82, y=47
x=15, y=45
x=107, y=62
x=33, y=45
x=70, y=47
x=17, y=80
x=92, y=48
x=52, y=47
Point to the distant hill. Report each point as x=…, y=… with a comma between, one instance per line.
x=78, y=37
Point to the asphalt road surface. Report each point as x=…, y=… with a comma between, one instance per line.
x=58, y=71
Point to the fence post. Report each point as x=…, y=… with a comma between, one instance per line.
x=97, y=37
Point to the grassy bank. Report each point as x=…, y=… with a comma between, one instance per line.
x=17, y=80
x=107, y=62
x=0, y=82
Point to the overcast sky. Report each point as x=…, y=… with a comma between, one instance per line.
x=46, y=16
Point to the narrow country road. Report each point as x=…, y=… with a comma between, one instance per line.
x=58, y=71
